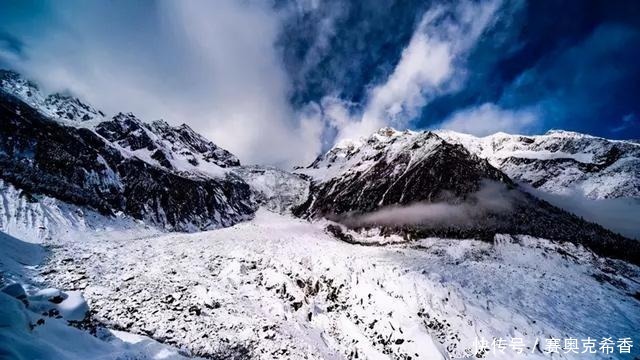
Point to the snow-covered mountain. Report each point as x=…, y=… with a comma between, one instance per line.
x=177, y=149
x=392, y=167
x=557, y=162
x=172, y=177
x=362, y=183
x=167, y=176
x=58, y=106
x=412, y=245
x=561, y=161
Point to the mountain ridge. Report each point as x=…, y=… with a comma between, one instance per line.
x=561, y=161
x=172, y=177
x=352, y=181
x=79, y=166
x=59, y=106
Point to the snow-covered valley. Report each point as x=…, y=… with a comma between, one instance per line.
x=278, y=286
x=126, y=239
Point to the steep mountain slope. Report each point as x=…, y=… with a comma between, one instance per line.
x=361, y=183
x=561, y=161
x=37, y=218
x=394, y=168
x=178, y=149
x=57, y=106
x=104, y=170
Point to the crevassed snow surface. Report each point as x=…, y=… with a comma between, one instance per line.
x=34, y=322
x=277, y=190
x=279, y=287
x=27, y=334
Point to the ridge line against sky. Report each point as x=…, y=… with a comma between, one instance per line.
x=278, y=82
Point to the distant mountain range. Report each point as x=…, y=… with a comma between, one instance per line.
x=391, y=168
x=561, y=161
x=58, y=147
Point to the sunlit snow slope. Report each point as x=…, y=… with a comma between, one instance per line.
x=561, y=161
x=281, y=287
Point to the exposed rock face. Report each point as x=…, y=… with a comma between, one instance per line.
x=389, y=170
x=101, y=170
x=174, y=148
x=392, y=168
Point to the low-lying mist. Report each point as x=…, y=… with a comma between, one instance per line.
x=619, y=215
x=493, y=198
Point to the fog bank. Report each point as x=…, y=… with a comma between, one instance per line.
x=619, y=215
x=491, y=199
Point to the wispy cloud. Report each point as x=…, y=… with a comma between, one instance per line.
x=628, y=121
x=488, y=119
x=619, y=215
x=214, y=66
x=491, y=198
x=432, y=64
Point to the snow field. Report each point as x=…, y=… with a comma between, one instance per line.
x=279, y=287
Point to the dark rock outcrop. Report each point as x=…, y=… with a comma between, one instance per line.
x=392, y=169
x=82, y=167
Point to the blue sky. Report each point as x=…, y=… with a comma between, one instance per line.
x=280, y=81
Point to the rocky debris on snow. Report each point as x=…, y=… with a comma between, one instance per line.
x=45, y=325
x=277, y=286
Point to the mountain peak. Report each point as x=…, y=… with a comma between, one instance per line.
x=387, y=132
x=125, y=116
x=13, y=83
x=565, y=133
x=10, y=76
x=57, y=106
x=561, y=161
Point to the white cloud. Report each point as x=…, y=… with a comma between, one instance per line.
x=619, y=215
x=215, y=66
x=488, y=119
x=337, y=112
x=430, y=65
x=212, y=65
x=249, y=112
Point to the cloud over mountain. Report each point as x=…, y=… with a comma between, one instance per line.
x=282, y=80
